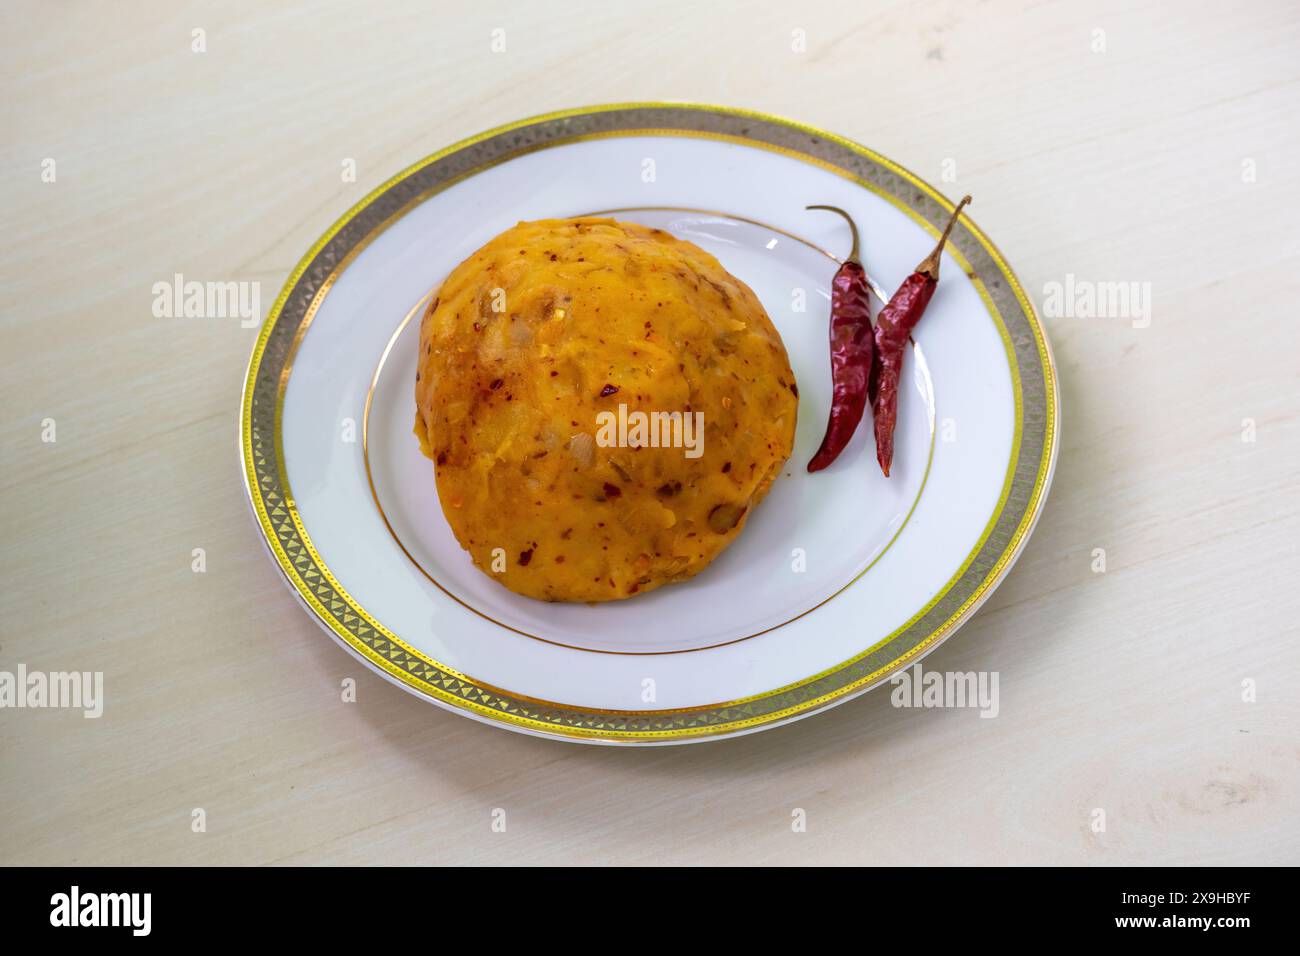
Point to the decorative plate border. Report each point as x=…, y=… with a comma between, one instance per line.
x=1024, y=491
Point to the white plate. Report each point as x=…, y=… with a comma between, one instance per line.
x=839, y=579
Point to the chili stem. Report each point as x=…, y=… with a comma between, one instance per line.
x=853, y=253
x=930, y=264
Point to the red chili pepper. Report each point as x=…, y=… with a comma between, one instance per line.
x=894, y=326
x=851, y=350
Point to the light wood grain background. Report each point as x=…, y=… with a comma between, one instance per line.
x=1170, y=157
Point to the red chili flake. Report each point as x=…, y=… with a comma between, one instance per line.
x=525, y=557
x=612, y=491
x=726, y=468
x=496, y=383
x=608, y=390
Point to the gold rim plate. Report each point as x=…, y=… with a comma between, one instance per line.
x=1024, y=492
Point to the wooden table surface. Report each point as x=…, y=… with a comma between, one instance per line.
x=1149, y=143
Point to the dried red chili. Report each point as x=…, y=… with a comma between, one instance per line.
x=894, y=327
x=852, y=346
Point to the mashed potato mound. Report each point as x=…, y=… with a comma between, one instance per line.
x=526, y=355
